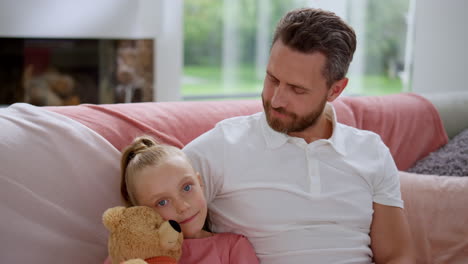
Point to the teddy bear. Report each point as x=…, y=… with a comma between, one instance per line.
x=50, y=87
x=138, y=234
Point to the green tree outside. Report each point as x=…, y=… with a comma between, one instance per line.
x=203, y=43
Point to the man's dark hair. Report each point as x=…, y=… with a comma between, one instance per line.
x=311, y=30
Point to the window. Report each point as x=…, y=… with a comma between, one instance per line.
x=226, y=45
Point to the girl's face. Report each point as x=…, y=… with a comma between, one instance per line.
x=174, y=190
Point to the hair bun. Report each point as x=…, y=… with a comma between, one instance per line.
x=144, y=141
x=148, y=141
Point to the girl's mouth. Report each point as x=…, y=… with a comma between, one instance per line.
x=188, y=219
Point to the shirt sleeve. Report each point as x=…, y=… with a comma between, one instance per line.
x=242, y=251
x=206, y=154
x=107, y=260
x=387, y=183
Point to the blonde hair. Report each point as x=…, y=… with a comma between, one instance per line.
x=144, y=151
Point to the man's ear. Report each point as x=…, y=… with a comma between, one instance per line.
x=336, y=89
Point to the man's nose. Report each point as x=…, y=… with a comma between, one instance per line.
x=279, y=97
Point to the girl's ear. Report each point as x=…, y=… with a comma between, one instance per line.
x=200, y=180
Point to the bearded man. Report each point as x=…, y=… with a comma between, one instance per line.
x=301, y=186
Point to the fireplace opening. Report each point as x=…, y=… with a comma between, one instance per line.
x=53, y=72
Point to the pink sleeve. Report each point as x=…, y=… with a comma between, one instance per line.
x=107, y=261
x=242, y=251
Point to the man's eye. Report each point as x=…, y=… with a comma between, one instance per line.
x=188, y=187
x=272, y=79
x=299, y=90
x=162, y=203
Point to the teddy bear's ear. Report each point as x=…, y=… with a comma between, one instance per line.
x=112, y=216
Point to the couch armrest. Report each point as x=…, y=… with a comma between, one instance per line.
x=435, y=208
x=453, y=110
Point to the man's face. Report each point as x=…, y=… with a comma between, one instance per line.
x=295, y=91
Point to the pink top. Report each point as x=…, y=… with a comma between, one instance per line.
x=220, y=248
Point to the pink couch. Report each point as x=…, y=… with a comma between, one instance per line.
x=62, y=170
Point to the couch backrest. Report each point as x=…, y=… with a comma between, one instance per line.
x=408, y=124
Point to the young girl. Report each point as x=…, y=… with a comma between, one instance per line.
x=161, y=177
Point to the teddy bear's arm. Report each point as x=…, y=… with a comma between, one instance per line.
x=135, y=261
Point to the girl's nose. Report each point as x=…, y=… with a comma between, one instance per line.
x=181, y=205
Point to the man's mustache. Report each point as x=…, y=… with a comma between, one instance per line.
x=283, y=111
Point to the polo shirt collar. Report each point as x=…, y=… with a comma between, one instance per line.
x=276, y=139
x=273, y=138
x=337, y=139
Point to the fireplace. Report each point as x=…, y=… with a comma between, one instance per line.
x=67, y=71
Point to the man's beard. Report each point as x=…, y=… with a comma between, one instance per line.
x=297, y=123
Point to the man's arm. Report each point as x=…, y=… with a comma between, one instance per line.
x=390, y=235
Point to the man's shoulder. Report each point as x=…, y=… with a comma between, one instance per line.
x=365, y=142
x=239, y=124
x=357, y=133
x=240, y=120
x=229, y=130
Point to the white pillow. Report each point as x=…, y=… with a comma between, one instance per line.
x=57, y=177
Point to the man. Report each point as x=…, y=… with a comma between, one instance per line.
x=302, y=187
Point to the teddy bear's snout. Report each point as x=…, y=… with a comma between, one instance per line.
x=175, y=225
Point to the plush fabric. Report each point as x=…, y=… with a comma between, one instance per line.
x=451, y=159
x=175, y=123
x=436, y=211
x=408, y=124
x=56, y=179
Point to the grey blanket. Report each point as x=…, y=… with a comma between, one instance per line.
x=450, y=160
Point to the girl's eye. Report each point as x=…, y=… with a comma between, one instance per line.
x=188, y=187
x=162, y=203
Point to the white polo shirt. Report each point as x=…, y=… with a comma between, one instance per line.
x=296, y=202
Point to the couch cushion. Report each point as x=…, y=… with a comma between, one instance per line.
x=56, y=179
x=436, y=211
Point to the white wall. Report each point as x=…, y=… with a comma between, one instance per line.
x=169, y=55
x=440, y=55
x=159, y=19
x=69, y=19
